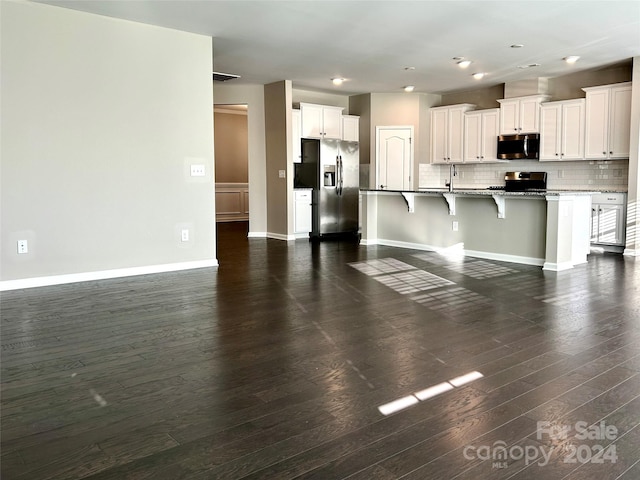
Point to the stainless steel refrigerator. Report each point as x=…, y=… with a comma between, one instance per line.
x=336, y=190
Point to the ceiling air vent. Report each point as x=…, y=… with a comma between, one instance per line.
x=223, y=77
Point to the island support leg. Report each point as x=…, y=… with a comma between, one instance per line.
x=567, y=232
x=368, y=219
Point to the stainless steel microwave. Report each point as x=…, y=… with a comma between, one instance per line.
x=525, y=146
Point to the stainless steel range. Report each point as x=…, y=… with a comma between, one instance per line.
x=525, y=182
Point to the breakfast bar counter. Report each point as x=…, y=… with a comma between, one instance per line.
x=545, y=228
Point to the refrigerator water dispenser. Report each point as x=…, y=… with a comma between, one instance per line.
x=329, y=177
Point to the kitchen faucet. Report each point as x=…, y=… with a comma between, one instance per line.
x=452, y=173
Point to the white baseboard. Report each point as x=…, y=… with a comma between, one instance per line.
x=368, y=242
x=500, y=257
x=281, y=236
x=470, y=253
x=632, y=252
x=103, y=275
x=275, y=236
x=557, y=267
x=410, y=245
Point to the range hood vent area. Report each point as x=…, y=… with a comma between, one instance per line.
x=523, y=88
x=223, y=77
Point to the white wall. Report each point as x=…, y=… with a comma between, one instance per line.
x=100, y=120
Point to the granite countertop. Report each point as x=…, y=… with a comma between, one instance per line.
x=488, y=192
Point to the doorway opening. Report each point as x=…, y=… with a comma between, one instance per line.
x=231, y=149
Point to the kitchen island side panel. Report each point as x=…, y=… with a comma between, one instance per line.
x=521, y=234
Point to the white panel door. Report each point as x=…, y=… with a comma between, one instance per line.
x=619, y=133
x=472, y=136
x=529, y=115
x=597, y=127
x=394, y=158
x=550, y=123
x=509, y=117
x=439, y=135
x=490, y=127
x=572, y=141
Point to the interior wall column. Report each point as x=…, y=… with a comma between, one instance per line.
x=633, y=213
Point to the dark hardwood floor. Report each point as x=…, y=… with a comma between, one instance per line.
x=275, y=366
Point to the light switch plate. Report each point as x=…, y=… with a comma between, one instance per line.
x=281, y=173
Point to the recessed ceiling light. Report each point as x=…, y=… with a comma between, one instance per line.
x=337, y=81
x=409, y=68
x=571, y=58
x=531, y=65
x=409, y=88
x=517, y=45
x=464, y=63
x=479, y=75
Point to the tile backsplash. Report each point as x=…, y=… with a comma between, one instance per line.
x=576, y=175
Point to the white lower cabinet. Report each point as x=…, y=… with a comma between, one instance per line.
x=302, y=212
x=608, y=219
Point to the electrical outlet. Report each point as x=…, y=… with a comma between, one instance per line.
x=560, y=173
x=281, y=173
x=455, y=226
x=197, y=170
x=185, y=235
x=23, y=246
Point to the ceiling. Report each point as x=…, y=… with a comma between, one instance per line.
x=373, y=43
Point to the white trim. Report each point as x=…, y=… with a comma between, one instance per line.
x=631, y=252
x=103, y=274
x=281, y=236
x=368, y=242
x=501, y=257
x=538, y=262
x=557, y=267
x=412, y=246
x=257, y=235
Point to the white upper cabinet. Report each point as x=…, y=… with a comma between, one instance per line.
x=321, y=121
x=447, y=133
x=350, y=128
x=481, y=135
x=295, y=135
x=608, y=121
x=562, y=130
x=520, y=114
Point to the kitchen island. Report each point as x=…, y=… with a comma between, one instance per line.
x=544, y=228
